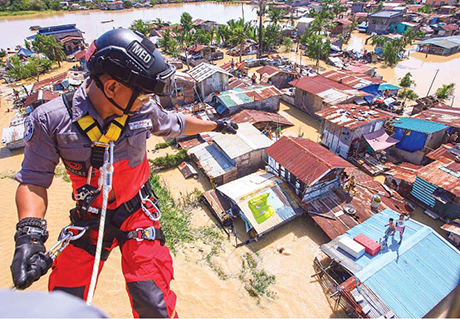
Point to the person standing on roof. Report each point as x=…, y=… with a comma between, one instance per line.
x=113, y=105
x=400, y=226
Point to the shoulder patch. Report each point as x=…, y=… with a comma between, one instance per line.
x=28, y=129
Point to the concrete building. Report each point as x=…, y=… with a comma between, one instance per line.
x=303, y=24
x=207, y=52
x=357, y=7
x=209, y=78
x=383, y=22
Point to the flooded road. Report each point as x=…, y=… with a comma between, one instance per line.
x=423, y=69
x=90, y=21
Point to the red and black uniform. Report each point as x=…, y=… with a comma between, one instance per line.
x=52, y=133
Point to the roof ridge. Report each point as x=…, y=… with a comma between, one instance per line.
x=320, y=160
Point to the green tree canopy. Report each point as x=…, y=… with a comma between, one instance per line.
x=276, y=15
x=445, y=91
x=316, y=48
x=140, y=26
x=48, y=45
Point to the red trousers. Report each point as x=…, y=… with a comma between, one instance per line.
x=147, y=268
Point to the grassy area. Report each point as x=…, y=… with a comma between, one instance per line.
x=24, y=13
x=256, y=280
x=7, y=174
x=169, y=160
x=61, y=172
x=165, y=144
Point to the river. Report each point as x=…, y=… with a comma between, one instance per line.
x=89, y=21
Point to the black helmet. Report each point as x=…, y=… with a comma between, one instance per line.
x=131, y=58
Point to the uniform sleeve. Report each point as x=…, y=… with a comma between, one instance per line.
x=166, y=123
x=40, y=154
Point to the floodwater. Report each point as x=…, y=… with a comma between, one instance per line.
x=423, y=69
x=90, y=21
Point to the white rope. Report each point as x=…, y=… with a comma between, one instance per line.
x=106, y=178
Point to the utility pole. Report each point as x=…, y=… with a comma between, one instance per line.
x=261, y=14
x=434, y=78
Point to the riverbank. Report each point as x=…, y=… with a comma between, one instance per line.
x=6, y=14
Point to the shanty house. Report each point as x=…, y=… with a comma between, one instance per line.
x=182, y=93
x=417, y=138
x=256, y=97
x=383, y=22
x=407, y=280
x=39, y=97
x=344, y=125
x=209, y=78
x=303, y=24
x=355, y=80
x=262, y=200
x=440, y=46
x=443, y=114
x=403, y=27
x=227, y=157
x=401, y=177
x=357, y=7
x=207, y=52
x=341, y=26
x=261, y=119
x=437, y=187
x=310, y=169
x=315, y=93
x=277, y=77
x=68, y=34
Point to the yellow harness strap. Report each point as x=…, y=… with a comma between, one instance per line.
x=90, y=127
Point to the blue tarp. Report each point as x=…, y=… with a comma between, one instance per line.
x=25, y=52
x=410, y=141
x=372, y=89
x=388, y=86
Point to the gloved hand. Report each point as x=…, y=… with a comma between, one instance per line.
x=29, y=261
x=226, y=127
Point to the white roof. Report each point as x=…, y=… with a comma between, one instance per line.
x=305, y=20
x=247, y=139
x=212, y=159
x=204, y=70
x=248, y=184
x=333, y=96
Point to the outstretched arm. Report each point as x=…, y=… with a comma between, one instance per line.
x=31, y=201
x=195, y=126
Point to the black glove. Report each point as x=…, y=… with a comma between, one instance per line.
x=226, y=127
x=29, y=261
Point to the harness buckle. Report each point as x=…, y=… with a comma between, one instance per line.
x=148, y=233
x=151, y=206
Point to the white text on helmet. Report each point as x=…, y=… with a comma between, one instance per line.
x=141, y=53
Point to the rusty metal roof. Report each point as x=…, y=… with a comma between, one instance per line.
x=269, y=70
x=441, y=153
x=350, y=78
x=305, y=159
x=443, y=175
x=351, y=116
x=404, y=171
x=317, y=84
x=40, y=95
x=50, y=81
x=441, y=114
x=255, y=116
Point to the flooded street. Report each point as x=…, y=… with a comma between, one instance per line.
x=422, y=68
x=90, y=21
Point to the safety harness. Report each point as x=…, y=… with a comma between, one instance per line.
x=87, y=194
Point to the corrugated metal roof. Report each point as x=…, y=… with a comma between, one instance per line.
x=279, y=198
x=305, y=159
x=417, y=125
x=443, y=175
x=255, y=116
x=213, y=161
x=247, y=139
x=445, y=42
x=350, y=78
x=40, y=95
x=248, y=94
x=351, y=116
x=204, y=70
x=317, y=84
x=449, y=116
x=452, y=228
x=404, y=171
x=442, y=152
x=386, y=14
x=269, y=70
x=50, y=81
x=333, y=96
x=411, y=278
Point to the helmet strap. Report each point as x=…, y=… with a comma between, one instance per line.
x=127, y=110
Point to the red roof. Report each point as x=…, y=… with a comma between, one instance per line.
x=353, y=79
x=441, y=114
x=268, y=69
x=441, y=152
x=80, y=54
x=450, y=27
x=238, y=83
x=404, y=171
x=352, y=116
x=432, y=173
x=305, y=159
x=317, y=84
x=343, y=21
x=197, y=47
x=50, y=81
x=40, y=95
x=255, y=116
x=70, y=38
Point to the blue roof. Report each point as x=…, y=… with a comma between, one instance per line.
x=388, y=86
x=418, y=125
x=411, y=278
x=25, y=52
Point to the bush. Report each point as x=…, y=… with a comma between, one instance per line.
x=165, y=144
x=170, y=161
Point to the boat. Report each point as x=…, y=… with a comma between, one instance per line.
x=13, y=136
x=107, y=21
x=34, y=28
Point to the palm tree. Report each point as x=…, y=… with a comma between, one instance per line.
x=276, y=15
x=317, y=49
x=239, y=35
x=408, y=94
x=56, y=51
x=140, y=26
x=445, y=91
x=338, y=8
x=260, y=13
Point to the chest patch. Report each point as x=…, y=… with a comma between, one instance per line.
x=143, y=124
x=76, y=168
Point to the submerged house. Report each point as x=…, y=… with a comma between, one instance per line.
x=68, y=34
x=417, y=138
x=182, y=93
x=209, y=78
x=383, y=22
x=40, y=97
x=226, y=157
x=443, y=114
x=310, y=169
x=408, y=280
x=440, y=46
x=262, y=200
x=344, y=126
x=341, y=26
x=261, y=119
x=255, y=97
x=437, y=187
x=207, y=52
x=315, y=93
x=276, y=76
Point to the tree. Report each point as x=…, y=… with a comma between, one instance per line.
x=186, y=22
x=408, y=94
x=203, y=37
x=288, y=44
x=445, y=91
x=48, y=45
x=140, y=26
x=239, y=35
x=317, y=49
x=2, y=53
x=271, y=37
x=168, y=44
x=27, y=45
x=426, y=9
x=276, y=15
x=127, y=4
x=406, y=81
x=378, y=8
x=338, y=8
x=260, y=13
